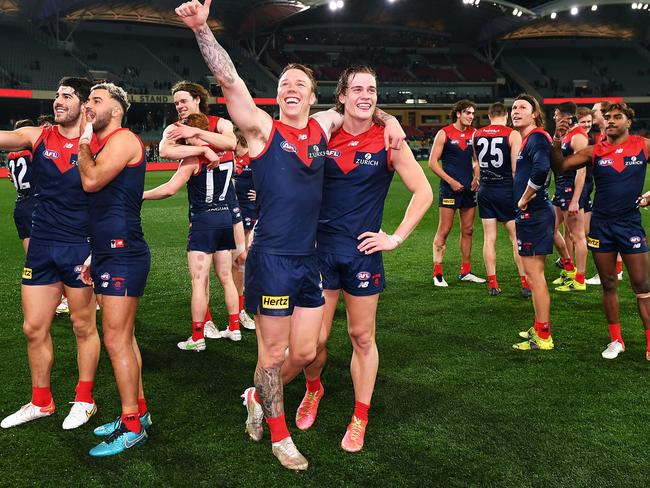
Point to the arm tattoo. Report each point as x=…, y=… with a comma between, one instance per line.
x=268, y=384
x=215, y=56
x=381, y=117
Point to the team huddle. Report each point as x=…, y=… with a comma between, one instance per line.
x=300, y=227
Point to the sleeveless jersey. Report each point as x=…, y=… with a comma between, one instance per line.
x=20, y=170
x=457, y=154
x=115, y=209
x=567, y=179
x=206, y=194
x=492, y=146
x=224, y=157
x=358, y=174
x=534, y=165
x=61, y=211
x=288, y=177
x=619, y=173
x=243, y=177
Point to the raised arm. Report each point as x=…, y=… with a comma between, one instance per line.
x=175, y=183
x=251, y=120
x=414, y=179
x=19, y=139
x=575, y=161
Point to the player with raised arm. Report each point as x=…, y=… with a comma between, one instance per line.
x=619, y=167
x=458, y=175
x=112, y=168
x=191, y=98
x=568, y=206
x=282, y=278
x=496, y=147
x=535, y=217
x=57, y=250
x=211, y=232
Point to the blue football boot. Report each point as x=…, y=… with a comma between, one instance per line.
x=107, y=429
x=118, y=442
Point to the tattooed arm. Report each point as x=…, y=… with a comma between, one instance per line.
x=268, y=384
x=252, y=121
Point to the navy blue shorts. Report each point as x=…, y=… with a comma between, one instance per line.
x=448, y=198
x=23, y=217
x=563, y=196
x=210, y=240
x=277, y=284
x=535, y=232
x=357, y=275
x=120, y=274
x=626, y=236
x=233, y=204
x=236, y=214
x=249, y=216
x=496, y=202
x=47, y=264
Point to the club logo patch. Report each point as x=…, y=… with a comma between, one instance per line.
x=363, y=276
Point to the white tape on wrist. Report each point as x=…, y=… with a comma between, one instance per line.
x=88, y=260
x=87, y=134
x=396, y=239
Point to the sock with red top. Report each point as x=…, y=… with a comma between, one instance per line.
x=278, y=428
x=647, y=339
x=313, y=385
x=208, y=315
x=197, y=330
x=437, y=269
x=543, y=329
x=132, y=422
x=580, y=278
x=233, y=321
x=84, y=391
x=568, y=264
x=41, y=397
x=465, y=268
x=524, y=281
x=361, y=411
x=619, y=267
x=142, y=406
x=241, y=302
x=492, y=281
x=615, y=332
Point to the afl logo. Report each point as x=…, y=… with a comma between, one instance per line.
x=635, y=239
x=333, y=153
x=48, y=153
x=363, y=276
x=605, y=162
x=288, y=147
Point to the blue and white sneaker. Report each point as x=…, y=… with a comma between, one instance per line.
x=118, y=442
x=109, y=428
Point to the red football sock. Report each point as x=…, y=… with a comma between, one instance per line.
x=543, y=329
x=437, y=269
x=465, y=268
x=492, y=281
x=142, y=406
x=313, y=385
x=241, y=302
x=524, y=281
x=132, y=422
x=615, y=332
x=568, y=264
x=361, y=411
x=257, y=397
x=84, y=392
x=647, y=339
x=278, y=428
x=580, y=278
x=208, y=315
x=197, y=330
x=233, y=321
x=619, y=267
x=41, y=397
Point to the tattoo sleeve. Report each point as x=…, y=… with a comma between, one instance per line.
x=268, y=383
x=380, y=117
x=215, y=56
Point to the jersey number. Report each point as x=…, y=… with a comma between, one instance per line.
x=209, y=182
x=18, y=169
x=496, y=152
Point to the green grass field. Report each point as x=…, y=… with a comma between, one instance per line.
x=454, y=404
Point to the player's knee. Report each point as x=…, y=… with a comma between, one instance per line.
x=302, y=358
x=609, y=283
x=83, y=327
x=362, y=341
x=34, y=332
x=467, y=231
x=641, y=289
x=116, y=343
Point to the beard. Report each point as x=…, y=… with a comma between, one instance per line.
x=101, y=120
x=68, y=118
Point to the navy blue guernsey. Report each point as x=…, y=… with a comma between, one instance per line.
x=115, y=209
x=20, y=170
x=619, y=174
x=567, y=179
x=243, y=177
x=457, y=154
x=534, y=165
x=61, y=211
x=288, y=177
x=206, y=194
x=358, y=174
x=492, y=147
